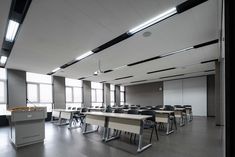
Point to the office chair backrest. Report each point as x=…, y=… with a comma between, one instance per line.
x=143, y=108
x=134, y=111
x=119, y=110
x=84, y=109
x=108, y=109
x=69, y=108
x=149, y=112
x=125, y=107
x=158, y=107
x=179, y=106
x=187, y=106
x=169, y=108
x=74, y=108
x=134, y=107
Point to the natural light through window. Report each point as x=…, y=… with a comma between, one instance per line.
x=97, y=94
x=73, y=93
x=39, y=90
x=3, y=91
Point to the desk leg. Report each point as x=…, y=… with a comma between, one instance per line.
x=111, y=138
x=168, y=131
x=90, y=131
x=140, y=148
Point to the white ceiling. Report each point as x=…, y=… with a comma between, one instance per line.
x=57, y=31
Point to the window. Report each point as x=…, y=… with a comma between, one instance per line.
x=39, y=90
x=3, y=91
x=73, y=93
x=112, y=94
x=122, y=95
x=96, y=94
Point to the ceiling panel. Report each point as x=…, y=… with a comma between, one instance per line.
x=57, y=31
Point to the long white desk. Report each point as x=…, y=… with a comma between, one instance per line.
x=65, y=114
x=124, y=122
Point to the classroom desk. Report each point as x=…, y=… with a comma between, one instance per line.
x=163, y=116
x=124, y=122
x=65, y=114
x=180, y=113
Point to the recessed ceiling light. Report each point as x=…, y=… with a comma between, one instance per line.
x=56, y=69
x=12, y=30
x=84, y=55
x=3, y=59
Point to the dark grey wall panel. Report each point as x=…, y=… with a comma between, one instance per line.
x=211, y=95
x=16, y=88
x=148, y=94
x=107, y=94
x=87, y=93
x=217, y=94
x=117, y=95
x=59, y=92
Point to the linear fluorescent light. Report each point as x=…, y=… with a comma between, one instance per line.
x=154, y=20
x=118, y=68
x=56, y=69
x=12, y=30
x=3, y=59
x=84, y=55
x=174, y=52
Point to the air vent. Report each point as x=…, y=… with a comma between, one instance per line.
x=206, y=43
x=161, y=70
x=50, y=73
x=188, y=5
x=138, y=81
x=143, y=61
x=68, y=64
x=123, y=77
x=107, y=71
x=171, y=76
x=112, y=42
x=82, y=78
x=208, y=61
x=209, y=70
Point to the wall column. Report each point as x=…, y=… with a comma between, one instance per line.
x=16, y=88
x=59, y=92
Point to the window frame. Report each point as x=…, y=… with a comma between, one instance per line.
x=72, y=87
x=114, y=101
x=4, y=102
x=38, y=93
x=124, y=95
x=97, y=89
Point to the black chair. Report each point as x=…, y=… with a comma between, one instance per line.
x=108, y=109
x=133, y=107
x=118, y=110
x=69, y=108
x=125, y=107
x=158, y=107
x=150, y=123
x=80, y=115
x=169, y=108
x=134, y=111
x=143, y=108
x=74, y=108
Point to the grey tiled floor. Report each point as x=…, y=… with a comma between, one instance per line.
x=201, y=138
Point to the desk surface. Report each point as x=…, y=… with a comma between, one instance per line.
x=163, y=111
x=119, y=115
x=65, y=110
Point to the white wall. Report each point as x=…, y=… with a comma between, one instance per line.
x=192, y=91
